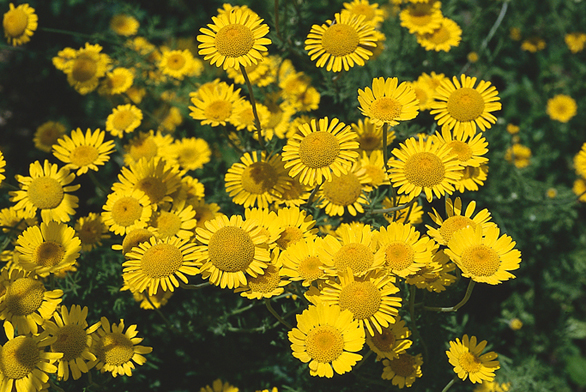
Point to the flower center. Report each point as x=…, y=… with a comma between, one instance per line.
x=168, y=224
x=45, y=192
x=424, y=169
x=154, y=188
x=363, y=9
x=146, y=148
x=15, y=22
x=369, y=142
x=420, y=14
x=115, y=349
x=84, y=69
x=343, y=190
x=309, y=268
x=134, y=238
x=340, y=40
x=356, y=256
x=231, y=249
x=19, y=357
x=126, y=211
x=176, y=61
x=399, y=256
x=116, y=81
x=289, y=236
x=480, y=260
x=386, y=109
x=453, y=224
x=465, y=104
x=83, y=155
x=90, y=232
x=319, y=149
x=49, y=136
x=265, y=283
x=324, y=343
x=234, y=40
x=71, y=341
x=363, y=299
x=123, y=119
x=404, y=365
x=384, y=341
x=469, y=362
x=461, y=149
x=259, y=178
x=24, y=296
x=48, y=254
x=218, y=110
x=161, y=260
x=439, y=36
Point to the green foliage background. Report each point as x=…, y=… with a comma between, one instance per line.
x=211, y=340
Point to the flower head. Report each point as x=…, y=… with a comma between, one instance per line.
x=388, y=102
x=468, y=361
x=125, y=25
x=561, y=108
x=83, y=152
x=19, y=24
x=124, y=119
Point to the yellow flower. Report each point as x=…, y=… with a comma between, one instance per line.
x=468, y=149
x=126, y=210
x=24, y=364
x=513, y=129
x=533, y=44
x=519, y=154
x=245, y=117
x=561, y=108
x=472, y=57
x=411, y=215
x=260, y=74
x=19, y=24
x=301, y=261
x=124, y=25
x=482, y=255
x=345, y=192
x=446, y=36
x=235, y=39
x=117, y=81
x=579, y=189
x=392, y=341
x=267, y=285
x=91, y=230
x=218, y=385
x=124, y=119
x=328, y=338
x=47, y=190
x=374, y=167
x=116, y=350
x=462, y=107
x=341, y=43
x=47, y=134
x=515, y=324
x=176, y=63
x=192, y=153
x=86, y=67
x=149, y=145
x=370, y=135
x=216, y=105
x=403, y=370
x=372, y=14
x=575, y=41
x=580, y=162
x=133, y=238
x=319, y=149
x=435, y=275
x=422, y=17
x=83, y=152
x=388, y=102
x=468, y=362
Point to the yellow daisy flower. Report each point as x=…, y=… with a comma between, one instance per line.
x=489, y=386
x=279, y=120
x=245, y=117
x=327, y=338
x=155, y=177
x=204, y=211
x=159, y=299
x=561, y=108
x=117, y=81
x=47, y=248
x=301, y=261
x=91, y=230
x=83, y=152
x=86, y=68
x=422, y=18
x=374, y=167
x=391, y=342
x=468, y=362
x=482, y=255
x=456, y=220
x=402, y=249
x=267, y=285
x=125, y=25
x=232, y=249
x=320, y=149
x=533, y=44
x=372, y=14
x=575, y=41
x=190, y=190
x=176, y=63
x=260, y=74
x=124, y=119
x=345, y=192
x=235, y=39
x=388, y=102
x=47, y=134
x=446, y=36
x=47, y=190
x=341, y=43
x=403, y=370
x=24, y=364
x=463, y=107
x=216, y=105
x=159, y=262
x=368, y=298
x=179, y=222
x=19, y=24
x=116, y=350
x=218, y=385
x=294, y=195
x=580, y=162
x=149, y=145
x=294, y=226
x=434, y=276
x=472, y=178
x=469, y=149
x=26, y=303
x=519, y=155
x=192, y=153
x=421, y=166
x=370, y=135
x=423, y=93
x=15, y=221
x=126, y=210
x=73, y=340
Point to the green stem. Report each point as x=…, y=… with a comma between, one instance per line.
x=253, y=102
x=270, y=308
x=312, y=195
x=193, y=286
x=364, y=358
x=385, y=152
x=393, y=209
x=457, y=306
x=175, y=330
x=450, y=384
x=97, y=183
x=416, y=335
